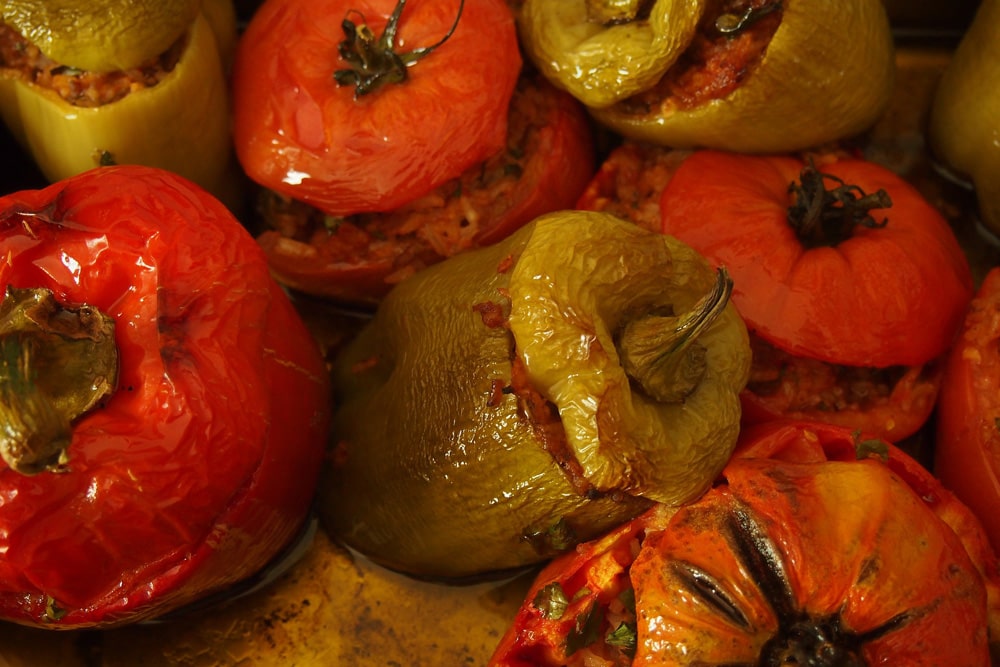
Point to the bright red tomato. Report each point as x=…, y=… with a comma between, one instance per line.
x=967, y=448
x=298, y=132
x=201, y=463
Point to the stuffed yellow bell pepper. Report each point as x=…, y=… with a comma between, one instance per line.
x=83, y=83
x=752, y=76
x=512, y=401
x=964, y=123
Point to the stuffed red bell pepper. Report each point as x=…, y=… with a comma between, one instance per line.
x=164, y=408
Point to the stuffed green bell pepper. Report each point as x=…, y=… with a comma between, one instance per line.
x=754, y=76
x=512, y=401
x=89, y=83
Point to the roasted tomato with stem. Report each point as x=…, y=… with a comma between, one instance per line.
x=817, y=546
x=164, y=408
x=372, y=172
x=852, y=284
x=967, y=446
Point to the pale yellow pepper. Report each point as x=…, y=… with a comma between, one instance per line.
x=100, y=35
x=181, y=124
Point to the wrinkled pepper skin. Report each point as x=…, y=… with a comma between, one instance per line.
x=201, y=466
x=807, y=89
x=436, y=407
x=600, y=63
x=101, y=35
x=965, y=113
x=182, y=124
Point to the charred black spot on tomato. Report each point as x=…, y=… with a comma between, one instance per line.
x=711, y=591
x=801, y=638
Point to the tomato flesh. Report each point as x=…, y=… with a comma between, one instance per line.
x=967, y=448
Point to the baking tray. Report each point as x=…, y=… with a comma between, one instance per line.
x=333, y=607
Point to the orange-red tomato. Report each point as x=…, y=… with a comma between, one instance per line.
x=851, y=283
x=967, y=447
x=815, y=545
x=299, y=132
x=878, y=296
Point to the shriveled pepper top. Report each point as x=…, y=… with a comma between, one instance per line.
x=101, y=35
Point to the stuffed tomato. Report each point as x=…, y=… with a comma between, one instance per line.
x=852, y=285
x=816, y=546
x=377, y=148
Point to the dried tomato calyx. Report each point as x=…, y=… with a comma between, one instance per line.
x=662, y=353
x=57, y=363
x=826, y=217
x=373, y=61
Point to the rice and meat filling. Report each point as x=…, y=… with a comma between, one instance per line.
x=22, y=59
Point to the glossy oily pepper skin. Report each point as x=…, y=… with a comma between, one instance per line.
x=839, y=262
x=767, y=76
x=302, y=132
x=602, y=52
x=963, y=124
x=817, y=546
x=519, y=398
x=180, y=123
x=198, y=465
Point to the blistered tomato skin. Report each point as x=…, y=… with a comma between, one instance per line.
x=202, y=464
x=300, y=133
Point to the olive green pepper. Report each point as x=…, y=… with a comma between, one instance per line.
x=964, y=121
x=512, y=401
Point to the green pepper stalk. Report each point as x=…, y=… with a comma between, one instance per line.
x=526, y=396
x=56, y=364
